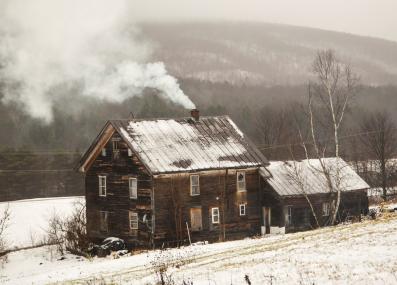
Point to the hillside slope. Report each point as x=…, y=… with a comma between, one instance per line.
x=361, y=253
x=260, y=53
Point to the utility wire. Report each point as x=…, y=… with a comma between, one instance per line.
x=265, y=147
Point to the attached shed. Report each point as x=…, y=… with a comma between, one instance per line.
x=290, y=185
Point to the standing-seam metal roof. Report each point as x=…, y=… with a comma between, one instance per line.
x=290, y=178
x=180, y=145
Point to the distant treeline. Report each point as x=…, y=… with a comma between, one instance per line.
x=38, y=159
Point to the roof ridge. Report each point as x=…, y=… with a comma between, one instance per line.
x=165, y=118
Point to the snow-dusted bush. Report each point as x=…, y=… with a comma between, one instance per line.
x=4, y=223
x=69, y=233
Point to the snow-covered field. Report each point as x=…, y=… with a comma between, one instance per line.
x=29, y=218
x=361, y=253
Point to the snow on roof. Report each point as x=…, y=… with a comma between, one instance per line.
x=307, y=177
x=179, y=145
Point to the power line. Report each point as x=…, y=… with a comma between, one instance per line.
x=39, y=152
x=35, y=170
x=324, y=140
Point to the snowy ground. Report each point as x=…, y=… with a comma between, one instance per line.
x=361, y=253
x=29, y=218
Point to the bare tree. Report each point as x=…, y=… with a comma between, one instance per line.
x=380, y=140
x=296, y=175
x=329, y=98
x=4, y=223
x=70, y=232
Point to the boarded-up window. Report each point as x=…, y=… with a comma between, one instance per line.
x=103, y=221
x=194, y=185
x=215, y=215
x=241, y=181
x=133, y=220
x=102, y=185
x=133, y=187
x=196, y=219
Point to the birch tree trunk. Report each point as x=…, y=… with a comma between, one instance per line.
x=333, y=90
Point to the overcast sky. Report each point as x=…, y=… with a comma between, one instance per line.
x=377, y=18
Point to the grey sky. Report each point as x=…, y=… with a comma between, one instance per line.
x=377, y=18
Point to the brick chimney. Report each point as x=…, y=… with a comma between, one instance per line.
x=195, y=114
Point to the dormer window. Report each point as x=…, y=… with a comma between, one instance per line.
x=241, y=181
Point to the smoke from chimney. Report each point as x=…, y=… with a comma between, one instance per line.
x=48, y=47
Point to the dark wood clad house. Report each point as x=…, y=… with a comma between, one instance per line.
x=289, y=184
x=153, y=181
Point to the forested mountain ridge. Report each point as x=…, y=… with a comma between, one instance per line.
x=256, y=73
x=261, y=53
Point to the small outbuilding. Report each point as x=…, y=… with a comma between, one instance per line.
x=294, y=189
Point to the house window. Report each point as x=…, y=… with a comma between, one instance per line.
x=133, y=187
x=115, y=144
x=326, y=208
x=103, y=151
x=102, y=185
x=241, y=181
x=133, y=220
x=289, y=216
x=103, y=221
x=242, y=209
x=115, y=147
x=196, y=222
x=194, y=185
x=215, y=215
x=129, y=152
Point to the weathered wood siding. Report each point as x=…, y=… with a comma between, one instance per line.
x=118, y=169
x=353, y=204
x=173, y=203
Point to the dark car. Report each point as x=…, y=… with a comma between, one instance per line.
x=107, y=246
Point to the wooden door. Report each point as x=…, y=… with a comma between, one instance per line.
x=266, y=218
x=196, y=221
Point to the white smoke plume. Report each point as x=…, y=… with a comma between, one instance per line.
x=46, y=45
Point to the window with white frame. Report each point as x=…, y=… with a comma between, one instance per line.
x=129, y=152
x=215, y=215
x=326, y=208
x=103, y=221
x=242, y=209
x=102, y=185
x=133, y=187
x=103, y=151
x=133, y=220
x=194, y=185
x=241, y=181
